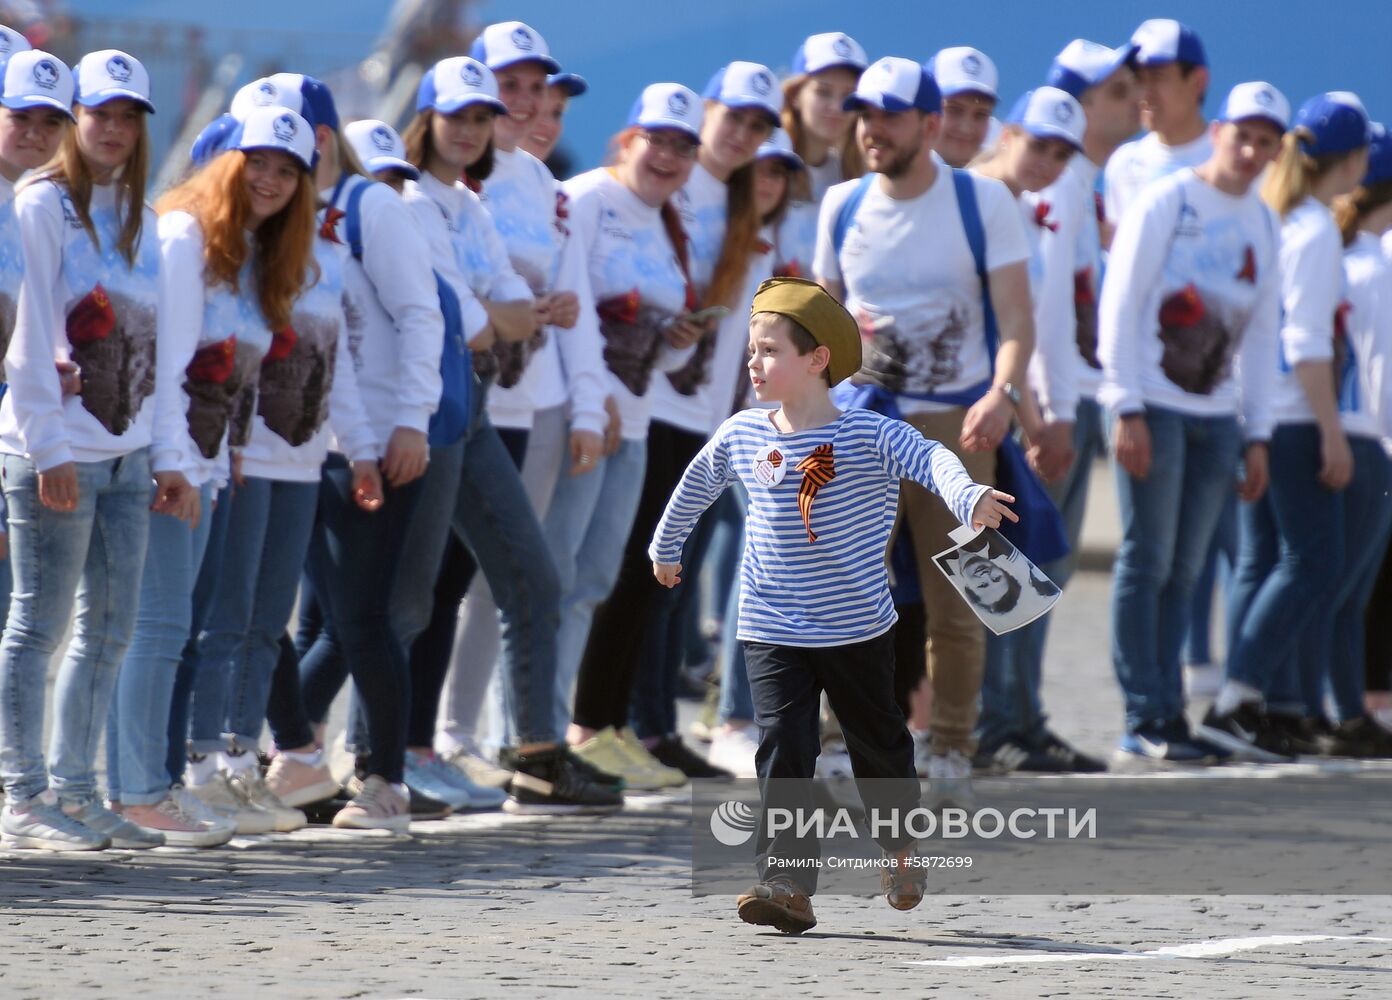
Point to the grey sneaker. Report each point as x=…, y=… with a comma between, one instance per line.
x=378, y=806
x=950, y=782
x=251, y=786
x=219, y=793
x=180, y=829
x=430, y=776
x=477, y=769
x=120, y=831
x=40, y=825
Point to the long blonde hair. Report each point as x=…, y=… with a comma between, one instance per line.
x=1351, y=209
x=1295, y=171
x=283, y=263
x=852, y=164
x=69, y=168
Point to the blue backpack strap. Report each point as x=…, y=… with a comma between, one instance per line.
x=976, y=239
x=352, y=219
x=847, y=214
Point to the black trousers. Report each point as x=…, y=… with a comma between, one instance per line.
x=787, y=683
x=1378, y=616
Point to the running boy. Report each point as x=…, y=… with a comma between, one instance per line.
x=815, y=608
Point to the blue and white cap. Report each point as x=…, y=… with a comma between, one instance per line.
x=1337, y=123
x=779, y=146
x=1164, y=40
x=379, y=147
x=1050, y=113
x=456, y=82
x=747, y=85
x=829, y=50
x=896, y=84
x=275, y=128
x=213, y=139
x=111, y=75
x=1257, y=99
x=307, y=97
x=35, y=79
x=668, y=105
x=12, y=41
x=1379, y=156
x=508, y=43
x=1083, y=64
x=964, y=70
x=572, y=83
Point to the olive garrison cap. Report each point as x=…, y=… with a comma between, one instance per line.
x=816, y=311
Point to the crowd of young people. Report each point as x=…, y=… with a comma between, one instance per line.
x=427, y=402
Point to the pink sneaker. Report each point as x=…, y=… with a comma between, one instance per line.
x=296, y=783
x=179, y=828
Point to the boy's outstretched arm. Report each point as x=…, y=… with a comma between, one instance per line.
x=701, y=484
x=991, y=510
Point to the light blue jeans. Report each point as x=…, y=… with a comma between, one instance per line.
x=1167, y=522
x=268, y=528
x=89, y=557
x=137, y=731
x=586, y=529
x=1011, y=704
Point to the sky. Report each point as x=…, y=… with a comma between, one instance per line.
x=620, y=46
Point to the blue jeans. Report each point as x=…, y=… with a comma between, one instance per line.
x=1168, y=520
x=586, y=528
x=1290, y=561
x=137, y=732
x=91, y=556
x=1197, y=650
x=268, y=527
x=353, y=561
x=1010, y=689
x=1332, y=650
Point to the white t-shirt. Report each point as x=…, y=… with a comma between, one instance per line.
x=794, y=240
x=908, y=273
x=1312, y=287
x=638, y=287
x=1191, y=303
x=1052, y=218
x=699, y=395
x=1369, y=328
x=1142, y=162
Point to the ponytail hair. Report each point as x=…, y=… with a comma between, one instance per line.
x=283, y=262
x=852, y=164
x=1351, y=209
x=741, y=242
x=1295, y=171
x=69, y=169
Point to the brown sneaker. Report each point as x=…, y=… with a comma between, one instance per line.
x=777, y=902
x=903, y=885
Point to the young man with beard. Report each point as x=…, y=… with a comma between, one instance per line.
x=1065, y=374
x=895, y=246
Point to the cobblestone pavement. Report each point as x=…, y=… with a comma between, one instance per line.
x=491, y=905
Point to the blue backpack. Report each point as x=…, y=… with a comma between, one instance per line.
x=451, y=419
x=1040, y=533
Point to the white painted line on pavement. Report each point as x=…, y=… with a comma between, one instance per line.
x=1200, y=949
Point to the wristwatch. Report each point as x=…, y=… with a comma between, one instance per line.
x=1011, y=393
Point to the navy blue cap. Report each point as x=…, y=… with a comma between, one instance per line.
x=214, y=139
x=896, y=84
x=1336, y=122
x=1083, y=64
x=1379, y=156
x=572, y=83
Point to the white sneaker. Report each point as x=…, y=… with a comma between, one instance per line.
x=221, y=795
x=950, y=782
x=252, y=787
x=734, y=750
x=378, y=806
x=1202, y=680
x=191, y=805
x=834, y=763
x=477, y=768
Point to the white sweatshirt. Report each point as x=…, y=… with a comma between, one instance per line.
x=395, y=330
x=698, y=396
x=11, y=267
x=1312, y=287
x=1368, y=274
x=638, y=287
x=307, y=386
x=1052, y=218
x=1141, y=162
x=86, y=305
x=211, y=350
x=1190, y=305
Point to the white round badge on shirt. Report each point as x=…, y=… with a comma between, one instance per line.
x=770, y=465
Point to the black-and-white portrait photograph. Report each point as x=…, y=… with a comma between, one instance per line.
x=1001, y=585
